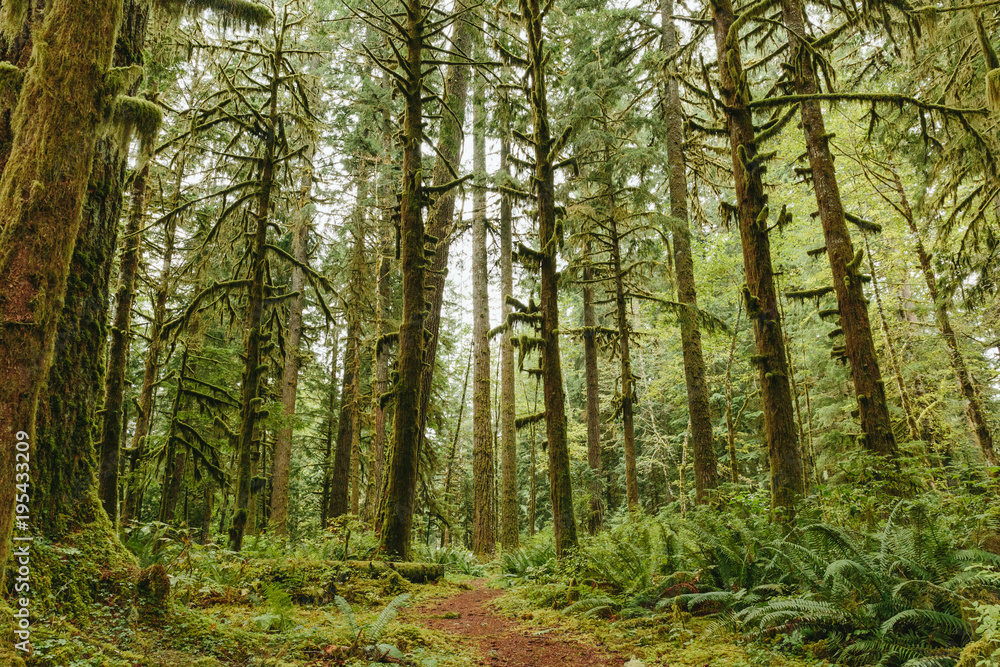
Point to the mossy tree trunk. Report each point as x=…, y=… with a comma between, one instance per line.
x=113, y=424
x=966, y=383
x=706, y=475
x=256, y=339
x=56, y=122
x=340, y=478
x=560, y=483
x=873, y=411
x=290, y=371
x=595, y=519
x=446, y=166
x=509, y=506
x=759, y=292
x=483, y=479
x=402, y=469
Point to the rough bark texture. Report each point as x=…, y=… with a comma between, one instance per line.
x=595, y=518
x=401, y=473
x=509, y=510
x=483, y=480
x=734, y=470
x=706, y=475
x=439, y=219
x=873, y=411
x=560, y=483
x=55, y=127
x=341, y=476
x=290, y=372
x=760, y=295
x=250, y=399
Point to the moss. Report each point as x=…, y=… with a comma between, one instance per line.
x=142, y=116
x=13, y=14
x=11, y=78
x=977, y=653
x=241, y=12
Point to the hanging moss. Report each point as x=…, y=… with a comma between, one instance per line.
x=13, y=14
x=809, y=293
x=524, y=422
x=242, y=12
x=139, y=115
x=11, y=78
x=862, y=224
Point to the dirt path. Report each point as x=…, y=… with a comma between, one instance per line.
x=503, y=641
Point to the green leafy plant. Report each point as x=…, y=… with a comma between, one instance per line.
x=364, y=638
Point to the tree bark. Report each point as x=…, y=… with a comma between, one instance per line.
x=341, y=476
x=560, y=483
x=759, y=292
x=250, y=399
x=706, y=475
x=483, y=481
x=439, y=219
x=595, y=519
x=402, y=471
x=509, y=531
x=293, y=360
x=873, y=410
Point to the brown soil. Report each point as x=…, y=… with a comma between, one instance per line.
x=504, y=641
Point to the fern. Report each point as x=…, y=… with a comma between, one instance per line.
x=374, y=631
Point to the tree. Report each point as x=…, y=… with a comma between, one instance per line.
x=55, y=129
x=759, y=291
x=483, y=481
x=702, y=440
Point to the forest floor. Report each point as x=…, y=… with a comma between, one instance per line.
x=499, y=640
x=460, y=621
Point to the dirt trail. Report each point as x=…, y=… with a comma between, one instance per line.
x=503, y=641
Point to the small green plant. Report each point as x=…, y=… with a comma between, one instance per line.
x=364, y=638
x=278, y=615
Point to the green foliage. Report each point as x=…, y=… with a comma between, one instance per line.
x=365, y=638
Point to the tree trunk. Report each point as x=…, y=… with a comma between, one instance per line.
x=706, y=475
x=561, y=492
x=845, y=265
x=483, y=480
x=509, y=532
x=759, y=292
x=324, y=502
x=380, y=385
x=595, y=519
x=42, y=191
x=734, y=471
x=966, y=383
x=402, y=471
x=293, y=360
x=250, y=399
x=904, y=395
x=450, y=469
x=114, y=386
x=439, y=219
x=131, y=507
x=341, y=477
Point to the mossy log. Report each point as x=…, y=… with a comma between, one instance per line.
x=318, y=581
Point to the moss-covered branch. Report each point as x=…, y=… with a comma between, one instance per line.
x=875, y=98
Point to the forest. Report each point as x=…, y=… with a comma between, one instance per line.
x=500, y=332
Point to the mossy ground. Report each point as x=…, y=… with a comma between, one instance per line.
x=242, y=625
x=691, y=642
